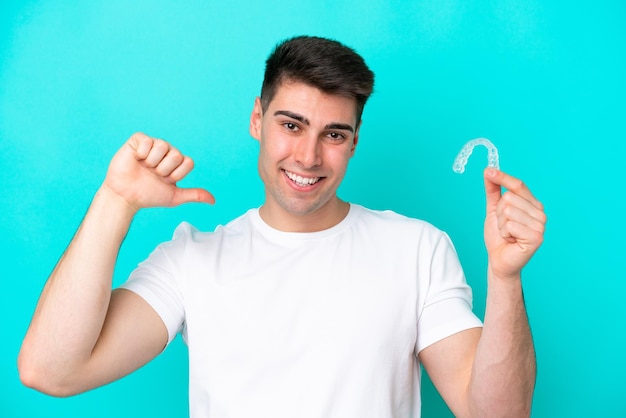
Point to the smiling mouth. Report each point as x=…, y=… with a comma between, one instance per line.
x=301, y=181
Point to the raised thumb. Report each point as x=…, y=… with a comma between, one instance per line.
x=493, y=190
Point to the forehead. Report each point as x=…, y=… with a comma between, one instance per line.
x=312, y=102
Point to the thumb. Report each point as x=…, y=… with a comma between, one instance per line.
x=493, y=190
x=192, y=195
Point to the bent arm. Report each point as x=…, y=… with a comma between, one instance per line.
x=492, y=373
x=488, y=372
x=68, y=349
x=82, y=335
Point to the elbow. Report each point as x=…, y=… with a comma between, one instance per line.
x=38, y=378
x=504, y=409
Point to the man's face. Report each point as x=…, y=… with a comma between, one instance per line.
x=306, y=139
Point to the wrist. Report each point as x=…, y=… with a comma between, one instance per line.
x=505, y=273
x=112, y=213
x=112, y=201
x=504, y=280
x=505, y=294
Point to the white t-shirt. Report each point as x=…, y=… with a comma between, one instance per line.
x=323, y=324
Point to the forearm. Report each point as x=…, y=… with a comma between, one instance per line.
x=504, y=369
x=70, y=313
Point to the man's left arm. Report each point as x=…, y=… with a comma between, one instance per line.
x=492, y=372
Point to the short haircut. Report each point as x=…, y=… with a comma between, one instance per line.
x=321, y=63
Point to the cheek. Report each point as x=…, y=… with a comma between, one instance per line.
x=339, y=160
x=271, y=154
x=274, y=145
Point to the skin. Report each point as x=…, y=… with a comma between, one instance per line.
x=491, y=372
x=83, y=335
x=304, y=132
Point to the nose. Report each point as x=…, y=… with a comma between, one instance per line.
x=308, y=152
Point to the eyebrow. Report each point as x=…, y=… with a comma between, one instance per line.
x=302, y=119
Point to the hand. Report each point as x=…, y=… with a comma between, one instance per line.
x=145, y=171
x=514, y=225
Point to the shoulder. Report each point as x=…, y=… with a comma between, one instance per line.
x=186, y=234
x=390, y=222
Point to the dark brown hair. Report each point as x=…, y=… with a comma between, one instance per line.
x=319, y=62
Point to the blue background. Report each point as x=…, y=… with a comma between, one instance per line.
x=544, y=80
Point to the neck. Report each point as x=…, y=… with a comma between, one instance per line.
x=324, y=218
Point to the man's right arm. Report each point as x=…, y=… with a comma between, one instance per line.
x=82, y=334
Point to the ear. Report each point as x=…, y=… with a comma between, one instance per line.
x=356, y=138
x=256, y=119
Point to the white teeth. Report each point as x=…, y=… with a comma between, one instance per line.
x=302, y=181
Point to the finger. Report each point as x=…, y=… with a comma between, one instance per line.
x=170, y=162
x=493, y=190
x=507, y=212
x=158, y=150
x=513, y=184
x=192, y=195
x=527, y=238
x=181, y=170
x=141, y=144
x=513, y=203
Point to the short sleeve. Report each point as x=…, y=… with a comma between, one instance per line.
x=157, y=278
x=447, y=307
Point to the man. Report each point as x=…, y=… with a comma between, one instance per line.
x=308, y=306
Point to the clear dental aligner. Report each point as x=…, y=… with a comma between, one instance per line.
x=461, y=159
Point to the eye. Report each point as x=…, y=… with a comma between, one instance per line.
x=290, y=126
x=336, y=136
